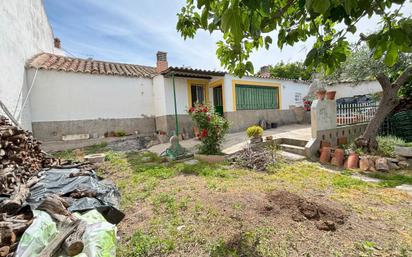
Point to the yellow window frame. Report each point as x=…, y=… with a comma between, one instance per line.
x=256, y=83
x=217, y=83
x=205, y=86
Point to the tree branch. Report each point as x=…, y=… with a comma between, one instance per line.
x=282, y=10
x=403, y=78
x=383, y=81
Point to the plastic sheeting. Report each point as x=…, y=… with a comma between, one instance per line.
x=99, y=237
x=64, y=181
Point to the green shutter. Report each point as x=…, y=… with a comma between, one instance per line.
x=256, y=97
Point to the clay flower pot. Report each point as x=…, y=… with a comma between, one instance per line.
x=330, y=95
x=320, y=94
x=338, y=158
x=324, y=155
x=353, y=161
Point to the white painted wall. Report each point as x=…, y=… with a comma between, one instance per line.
x=64, y=96
x=288, y=90
x=24, y=32
x=351, y=89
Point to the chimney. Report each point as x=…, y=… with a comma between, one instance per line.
x=57, y=43
x=161, y=64
x=265, y=71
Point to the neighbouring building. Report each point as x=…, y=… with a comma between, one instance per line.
x=24, y=32
x=85, y=96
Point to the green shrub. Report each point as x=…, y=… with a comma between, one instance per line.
x=120, y=134
x=386, y=145
x=212, y=127
x=254, y=131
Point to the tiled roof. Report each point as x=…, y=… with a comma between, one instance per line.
x=286, y=79
x=190, y=72
x=47, y=61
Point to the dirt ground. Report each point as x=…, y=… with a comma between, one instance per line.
x=296, y=210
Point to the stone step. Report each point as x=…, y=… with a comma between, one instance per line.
x=294, y=141
x=293, y=149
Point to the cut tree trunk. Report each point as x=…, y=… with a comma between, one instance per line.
x=73, y=245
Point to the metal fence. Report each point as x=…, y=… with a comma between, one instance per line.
x=347, y=114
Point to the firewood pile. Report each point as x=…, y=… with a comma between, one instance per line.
x=254, y=158
x=20, y=160
x=20, y=157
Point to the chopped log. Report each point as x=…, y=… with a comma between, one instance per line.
x=4, y=251
x=73, y=245
x=56, y=207
x=7, y=236
x=14, y=204
x=57, y=241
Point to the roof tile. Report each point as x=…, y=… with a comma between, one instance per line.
x=47, y=61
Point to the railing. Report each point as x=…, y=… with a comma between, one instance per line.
x=355, y=113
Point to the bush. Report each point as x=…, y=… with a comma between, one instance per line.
x=254, y=131
x=386, y=145
x=212, y=127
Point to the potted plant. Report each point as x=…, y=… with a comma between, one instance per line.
x=330, y=95
x=255, y=134
x=212, y=129
x=320, y=94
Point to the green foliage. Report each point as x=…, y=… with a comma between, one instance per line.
x=294, y=70
x=254, y=131
x=120, y=134
x=212, y=127
x=386, y=145
x=142, y=244
x=393, y=178
x=248, y=25
x=344, y=181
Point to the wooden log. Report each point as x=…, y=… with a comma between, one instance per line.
x=7, y=236
x=73, y=245
x=4, y=251
x=14, y=204
x=57, y=241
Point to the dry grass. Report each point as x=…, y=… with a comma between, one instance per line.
x=203, y=210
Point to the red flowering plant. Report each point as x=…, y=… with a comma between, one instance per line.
x=212, y=128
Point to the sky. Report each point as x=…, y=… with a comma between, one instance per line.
x=132, y=31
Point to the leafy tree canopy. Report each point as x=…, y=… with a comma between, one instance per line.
x=294, y=70
x=361, y=65
x=248, y=25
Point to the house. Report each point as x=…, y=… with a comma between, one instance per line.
x=83, y=96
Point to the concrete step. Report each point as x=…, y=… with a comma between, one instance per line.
x=294, y=141
x=293, y=149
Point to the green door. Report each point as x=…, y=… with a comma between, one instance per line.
x=218, y=99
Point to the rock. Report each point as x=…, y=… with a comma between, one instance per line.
x=400, y=158
x=371, y=165
x=191, y=162
x=403, y=151
x=381, y=164
x=95, y=158
x=393, y=166
x=394, y=160
x=403, y=164
x=364, y=163
x=326, y=225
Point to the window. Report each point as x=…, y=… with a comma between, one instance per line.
x=197, y=92
x=298, y=98
x=256, y=97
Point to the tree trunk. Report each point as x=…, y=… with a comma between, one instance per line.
x=388, y=102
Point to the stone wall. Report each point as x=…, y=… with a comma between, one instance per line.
x=241, y=120
x=55, y=130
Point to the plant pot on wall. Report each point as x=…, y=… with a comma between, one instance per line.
x=320, y=94
x=330, y=95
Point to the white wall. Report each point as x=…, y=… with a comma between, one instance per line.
x=287, y=90
x=351, y=89
x=64, y=96
x=24, y=32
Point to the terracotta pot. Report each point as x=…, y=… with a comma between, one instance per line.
x=321, y=94
x=324, y=155
x=330, y=95
x=353, y=161
x=338, y=158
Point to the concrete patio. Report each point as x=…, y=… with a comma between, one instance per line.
x=236, y=141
